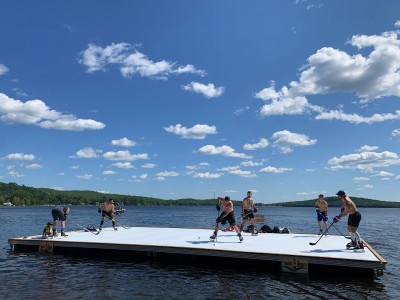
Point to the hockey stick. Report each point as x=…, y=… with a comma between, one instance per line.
x=85, y=229
x=313, y=244
x=347, y=237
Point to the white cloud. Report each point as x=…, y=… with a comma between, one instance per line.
x=34, y=166
x=130, y=62
x=207, y=175
x=249, y=163
x=367, y=148
x=124, y=142
x=286, y=140
x=365, y=161
x=355, y=118
x=383, y=174
x=123, y=165
x=223, y=150
x=242, y=173
x=148, y=166
x=19, y=156
x=199, y=131
x=36, y=112
x=124, y=155
x=3, y=69
x=84, y=177
x=396, y=132
x=397, y=177
x=109, y=172
x=271, y=169
x=361, y=179
x=209, y=90
x=262, y=143
x=87, y=152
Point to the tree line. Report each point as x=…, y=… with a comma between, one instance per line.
x=20, y=195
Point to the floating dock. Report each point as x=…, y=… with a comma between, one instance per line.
x=266, y=251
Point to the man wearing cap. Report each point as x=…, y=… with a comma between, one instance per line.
x=107, y=211
x=59, y=214
x=226, y=216
x=353, y=221
x=321, y=207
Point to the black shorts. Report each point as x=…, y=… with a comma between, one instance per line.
x=106, y=213
x=229, y=218
x=248, y=214
x=58, y=214
x=354, y=219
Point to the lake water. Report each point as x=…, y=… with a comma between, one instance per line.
x=38, y=276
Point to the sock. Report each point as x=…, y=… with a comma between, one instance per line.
x=357, y=236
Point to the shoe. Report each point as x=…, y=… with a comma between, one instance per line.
x=240, y=238
x=326, y=233
x=213, y=237
x=115, y=228
x=352, y=244
x=255, y=232
x=100, y=228
x=63, y=233
x=320, y=232
x=55, y=233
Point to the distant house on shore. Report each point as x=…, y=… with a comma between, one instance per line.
x=7, y=204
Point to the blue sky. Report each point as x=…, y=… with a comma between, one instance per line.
x=175, y=99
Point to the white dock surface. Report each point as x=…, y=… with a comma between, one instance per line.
x=189, y=240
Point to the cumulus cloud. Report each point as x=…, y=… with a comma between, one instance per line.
x=130, y=62
x=286, y=140
x=262, y=143
x=108, y=172
x=123, y=165
x=209, y=90
x=19, y=156
x=124, y=142
x=367, y=148
x=199, y=131
x=223, y=150
x=124, y=155
x=87, y=152
x=84, y=177
x=207, y=175
x=271, y=169
x=36, y=112
x=242, y=173
x=369, y=76
x=148, y=166
x=396, y=132
x=3, y=69
x=34, y=166
x=365, y=161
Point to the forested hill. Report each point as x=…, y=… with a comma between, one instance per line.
x=22, y=195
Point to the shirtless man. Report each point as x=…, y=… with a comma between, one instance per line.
x=321, y=207
x=247, y=213
x=107, y=211
x=226, y=216
x=353, y=221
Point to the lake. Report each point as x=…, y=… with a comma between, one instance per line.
x=41, y=276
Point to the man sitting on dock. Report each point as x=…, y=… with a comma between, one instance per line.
x=353, y=221
x=107, y=211
x=226, y=216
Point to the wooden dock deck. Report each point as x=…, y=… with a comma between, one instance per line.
x=287, y=252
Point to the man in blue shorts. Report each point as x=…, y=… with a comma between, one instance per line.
x=59, y=214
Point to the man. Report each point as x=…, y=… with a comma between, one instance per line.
x=247, y=213
x=226, y=216
x=107, y=211
x=321, y=207
x=353, y=221
x=59, y=214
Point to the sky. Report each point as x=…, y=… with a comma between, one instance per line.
x=199, y=99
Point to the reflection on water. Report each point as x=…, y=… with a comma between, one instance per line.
x=34, y=276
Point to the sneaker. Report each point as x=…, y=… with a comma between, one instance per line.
x=213, y=237
x=100, y=228
x=352, y=244
x=320, y=232
x=55, y=233
x=240, y=238
x=255, y=232
x=115, y=228
x=63, y=233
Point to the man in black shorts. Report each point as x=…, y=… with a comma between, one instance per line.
x=226, y=216
x=353, y=221
x=59, y=214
